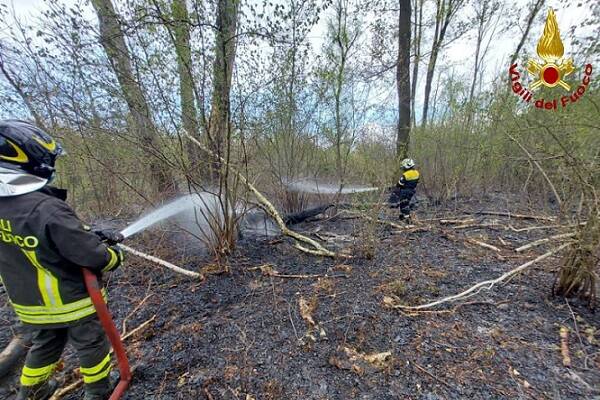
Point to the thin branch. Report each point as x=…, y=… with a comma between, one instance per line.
x=488, y=285
x=545, y=240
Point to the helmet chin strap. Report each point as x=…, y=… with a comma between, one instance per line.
x=15, y=183
x=52, y=177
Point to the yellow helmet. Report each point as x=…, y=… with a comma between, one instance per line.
x=408, y=163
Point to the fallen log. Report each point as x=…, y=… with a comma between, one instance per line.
x=296, y=218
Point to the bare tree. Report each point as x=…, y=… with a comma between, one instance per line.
x=446, y=10
x=484, y=12
x=17, y=85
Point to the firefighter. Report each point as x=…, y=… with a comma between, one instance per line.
x=405, y=188
x=43, y=246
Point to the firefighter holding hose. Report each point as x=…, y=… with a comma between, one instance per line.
x=43, y=246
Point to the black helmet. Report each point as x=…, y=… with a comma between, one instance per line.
x=25, y=147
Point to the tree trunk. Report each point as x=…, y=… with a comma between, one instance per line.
x=403, y=79
x=180, y=34
x=225, y=47
x=417, y=50
x=113, y=41
x=342, y=41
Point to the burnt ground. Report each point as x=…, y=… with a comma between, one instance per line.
x=240, y=333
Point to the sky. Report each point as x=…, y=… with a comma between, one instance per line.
x=458, y=57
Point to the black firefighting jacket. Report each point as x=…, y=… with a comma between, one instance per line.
x=43, y=246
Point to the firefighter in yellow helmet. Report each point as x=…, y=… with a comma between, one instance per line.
x=43, y=246
x=405, y=188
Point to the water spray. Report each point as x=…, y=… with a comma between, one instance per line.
x=95, y=291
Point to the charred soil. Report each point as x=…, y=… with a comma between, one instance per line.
x=270, y=322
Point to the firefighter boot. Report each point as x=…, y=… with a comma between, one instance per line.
x=405, y=218
x=41, y=391
x=100, y=390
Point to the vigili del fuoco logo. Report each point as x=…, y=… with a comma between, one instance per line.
x=550, y=71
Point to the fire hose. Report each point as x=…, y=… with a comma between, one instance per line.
x=108, y=324
x=105, y=317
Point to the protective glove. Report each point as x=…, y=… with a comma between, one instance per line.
x=116, y=258
x=109, y=236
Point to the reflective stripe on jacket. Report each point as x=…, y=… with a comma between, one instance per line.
x=43, y=246
x=409, y=179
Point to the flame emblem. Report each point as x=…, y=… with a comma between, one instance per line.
x=550, y=49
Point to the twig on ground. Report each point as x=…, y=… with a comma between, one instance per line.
x=296, y=276
x=545, y=240
x=140, y=304
x=443, y=218
x=268, y=270
x=379, y=221
x=158, y=261
x=472, y=241
x=483, y=244
x=59, y=394
x=576, y=326
x=541, y=227
x=518, y=216
x=432, y=375
x=564, y=346
x=488, y=285
x=474, y=303
x=139, y=328
x=458, y=221
x=489, y=225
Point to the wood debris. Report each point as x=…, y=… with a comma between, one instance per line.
x=545, y=240
x=564, y=346
x=351, y=359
